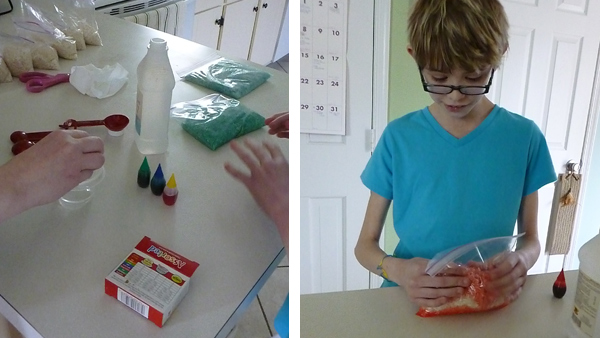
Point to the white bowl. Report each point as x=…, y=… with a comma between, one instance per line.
x=82, y=194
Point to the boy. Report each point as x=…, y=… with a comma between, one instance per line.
x=459, y=170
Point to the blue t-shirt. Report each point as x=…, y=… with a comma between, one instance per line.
x=448, y=191
x=282, y=320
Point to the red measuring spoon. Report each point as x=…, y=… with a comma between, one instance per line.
x=21, y=146
x=19, y=135
x=114, y=123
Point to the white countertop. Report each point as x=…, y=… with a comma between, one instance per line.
x=386, y=312
x=55, y=261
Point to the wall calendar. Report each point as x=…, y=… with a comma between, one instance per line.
x=323, y=40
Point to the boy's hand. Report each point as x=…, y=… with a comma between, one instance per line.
x=268, y=179
x=508, y=276
x=422, y=289
x=279, y=124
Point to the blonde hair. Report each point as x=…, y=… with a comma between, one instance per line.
x=449, y=34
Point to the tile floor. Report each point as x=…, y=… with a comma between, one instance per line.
x=7, y=330
x=257, y=322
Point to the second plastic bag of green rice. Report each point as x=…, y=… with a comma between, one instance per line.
x=215, y=119
x=228, y=77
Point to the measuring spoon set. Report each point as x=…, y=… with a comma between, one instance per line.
x=23, y=141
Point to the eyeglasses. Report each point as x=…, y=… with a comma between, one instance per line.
x=465, y=90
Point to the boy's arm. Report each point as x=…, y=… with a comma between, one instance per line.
x=421, y=289
x=529, y=245
x=367, y=249
x=509, y=276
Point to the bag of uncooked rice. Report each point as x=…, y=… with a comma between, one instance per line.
x=81, y=13
x=30, y=23
x=65, y=23
x=17, y=57
x=76, y=34
x=44, y=56
x=474, y=259
x=5, y=75
x=21, y=50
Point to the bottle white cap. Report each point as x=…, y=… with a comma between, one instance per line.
x=157, y=44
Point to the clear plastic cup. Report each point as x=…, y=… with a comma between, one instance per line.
x=83, y=193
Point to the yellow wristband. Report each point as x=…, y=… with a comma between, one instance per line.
x=380, y=267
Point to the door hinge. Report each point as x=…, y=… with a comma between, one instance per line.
x=219, y=22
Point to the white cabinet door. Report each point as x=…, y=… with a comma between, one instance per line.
x=206, y=32
x=202, y=5
x=268, y=26
x=237, y=29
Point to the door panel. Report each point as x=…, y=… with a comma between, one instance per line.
x=324, y=230
x=513, y=77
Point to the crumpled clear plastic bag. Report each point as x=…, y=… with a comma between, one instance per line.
x=228, y=77
x=215, y=119
x=475, y=258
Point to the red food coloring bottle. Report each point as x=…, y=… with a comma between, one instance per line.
x=170, y=192
x=560, y=285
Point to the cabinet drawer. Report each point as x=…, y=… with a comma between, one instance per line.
x=202, y=5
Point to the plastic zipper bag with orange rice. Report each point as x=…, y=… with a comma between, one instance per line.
x=474, y=258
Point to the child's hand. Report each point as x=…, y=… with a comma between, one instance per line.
x=279, y=124
x=508, y=276
x=422, y=289
x=268, y=179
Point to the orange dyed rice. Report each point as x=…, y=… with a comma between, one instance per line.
x=474, y=299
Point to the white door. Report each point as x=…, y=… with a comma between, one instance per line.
x=548, y=76
x=333, y=199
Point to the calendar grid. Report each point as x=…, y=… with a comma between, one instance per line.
x=323, y=66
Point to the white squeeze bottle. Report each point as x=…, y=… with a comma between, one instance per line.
x=585, y=318
x=155, y=88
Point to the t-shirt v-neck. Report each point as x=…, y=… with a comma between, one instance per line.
x=457, y=142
